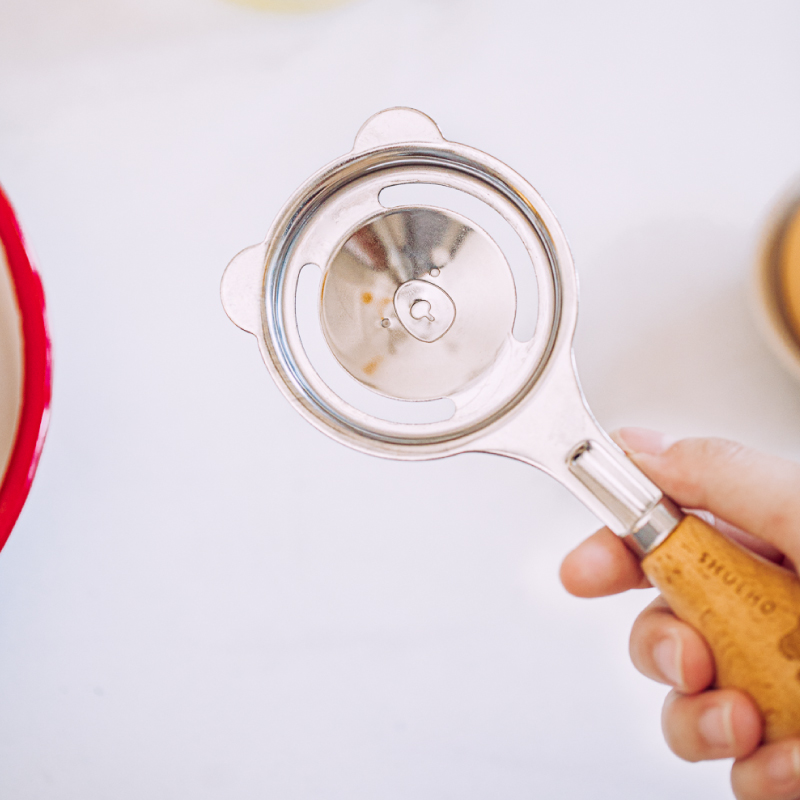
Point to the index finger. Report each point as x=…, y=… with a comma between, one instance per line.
x=753, y=491
x=601, y=565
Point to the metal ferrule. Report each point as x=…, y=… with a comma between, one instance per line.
x=635, y=508
x=656, y=526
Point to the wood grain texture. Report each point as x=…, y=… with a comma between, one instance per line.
x=748, y=610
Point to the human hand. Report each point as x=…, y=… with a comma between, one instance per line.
x=758, y=497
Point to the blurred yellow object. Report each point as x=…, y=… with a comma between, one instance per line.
x=292, y=6
x=779, y=282
x=789, y=271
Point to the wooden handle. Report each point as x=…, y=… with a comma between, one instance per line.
x=746, y=608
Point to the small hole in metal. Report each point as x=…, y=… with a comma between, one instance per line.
x=338, y=379
x=486, y=217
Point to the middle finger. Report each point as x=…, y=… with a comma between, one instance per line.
x=670, y=651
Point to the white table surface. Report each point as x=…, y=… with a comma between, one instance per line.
x=206, y=598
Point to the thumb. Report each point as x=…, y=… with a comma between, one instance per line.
x=753, y=491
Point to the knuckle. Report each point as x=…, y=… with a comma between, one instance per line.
x=675, y=741
x=690, y=460
x=677, y=729
x=749, y=780
x=655, y=614
x=710, y=449
x=638, y=639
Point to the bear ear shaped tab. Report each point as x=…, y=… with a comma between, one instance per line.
x=396, y=125
x=241, y=288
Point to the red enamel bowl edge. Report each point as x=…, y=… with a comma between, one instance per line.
x=37, y=372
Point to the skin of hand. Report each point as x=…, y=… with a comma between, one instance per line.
x=754, y=499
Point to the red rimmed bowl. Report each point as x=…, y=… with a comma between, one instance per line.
x=25, y=369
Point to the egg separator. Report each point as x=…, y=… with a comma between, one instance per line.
x=418, y=303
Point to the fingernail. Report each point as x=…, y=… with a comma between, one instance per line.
x=642, y=440
x=715, y=726
x=667, y=655
x=784, y=766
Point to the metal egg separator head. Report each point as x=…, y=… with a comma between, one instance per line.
x=418, y=303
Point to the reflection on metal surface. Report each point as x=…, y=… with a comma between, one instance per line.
x=417, y=303
x=654, y=528
x=425, y=310
x=489, y=220
x=629, y=499
x=353, y=392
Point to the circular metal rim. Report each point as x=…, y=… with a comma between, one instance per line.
x=373, y=435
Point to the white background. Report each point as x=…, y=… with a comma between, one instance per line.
x=206, y=598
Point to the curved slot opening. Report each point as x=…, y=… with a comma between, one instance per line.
x=519, y=260
x=309, y=289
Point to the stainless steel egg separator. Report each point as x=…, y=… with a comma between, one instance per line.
x=418, y=302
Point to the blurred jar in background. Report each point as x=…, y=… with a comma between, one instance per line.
x=779, y=282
